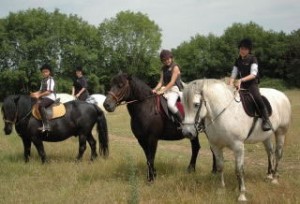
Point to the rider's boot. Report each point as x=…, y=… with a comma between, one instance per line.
x=178, y=117
x=266, y=123
x=46, y=126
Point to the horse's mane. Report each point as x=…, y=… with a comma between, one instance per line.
x=13, y=102
x=139, y=89
x=207, y=86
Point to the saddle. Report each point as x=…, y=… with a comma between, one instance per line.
x=162, y=106
x=56, y=110
x=250, y=106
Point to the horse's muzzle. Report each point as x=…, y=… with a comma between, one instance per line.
x=189, y=132
x=7, y=129
x=110, y=107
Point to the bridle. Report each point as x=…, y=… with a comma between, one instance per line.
x=14, y=121
x=199, y=123
x=119, y=97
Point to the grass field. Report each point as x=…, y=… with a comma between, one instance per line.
x=122, y=177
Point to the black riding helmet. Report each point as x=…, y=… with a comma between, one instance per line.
x=46, y=66
x=247, y=43
x=165, y=54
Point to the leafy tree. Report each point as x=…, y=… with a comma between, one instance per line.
x=293, y=59
x=131, y=41
x=34, y=37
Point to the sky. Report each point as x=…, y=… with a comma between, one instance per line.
x=179, y=20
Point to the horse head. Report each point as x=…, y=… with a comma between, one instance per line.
x=9, y=112
x=195, y=109
x=119, y=91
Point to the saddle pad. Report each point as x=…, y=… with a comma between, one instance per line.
x=163, y=106
x=250, y=106
x=54, y=111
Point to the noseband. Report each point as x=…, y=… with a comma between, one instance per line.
x=118, y=97
x=199, y=122
x=9, y=121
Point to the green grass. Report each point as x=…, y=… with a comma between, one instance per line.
x=122, y=177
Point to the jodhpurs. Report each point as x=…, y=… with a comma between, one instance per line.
x=254, y=90
x=172, y=96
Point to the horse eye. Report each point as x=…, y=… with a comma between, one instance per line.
x=196, y=105
x=120, y=85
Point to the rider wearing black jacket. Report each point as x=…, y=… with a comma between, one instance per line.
x=246, y=69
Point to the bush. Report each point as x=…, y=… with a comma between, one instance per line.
x=278, y=84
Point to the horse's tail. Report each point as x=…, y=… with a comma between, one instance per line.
x=102, y=132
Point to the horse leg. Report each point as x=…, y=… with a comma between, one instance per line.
x=214, y=165
x=218, y=153
x=82, y=146
x=269, y=149
x=40, y=148
x=195, y=150
x=239, y=169
x=280, y=139
x=92, y=143
x=149, y=148
x=27, y=147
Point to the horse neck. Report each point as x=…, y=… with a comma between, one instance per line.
x=139, y=90
x=24, y=106
x=218, y=97
x=142, y=98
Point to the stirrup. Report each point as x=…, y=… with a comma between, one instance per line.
x=44, y=129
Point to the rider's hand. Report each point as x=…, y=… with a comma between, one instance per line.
x=237, y=84
x=160, y=92
x=34, y=95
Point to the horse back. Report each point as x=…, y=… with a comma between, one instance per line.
x=280, y=103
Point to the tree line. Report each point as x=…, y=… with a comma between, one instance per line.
x=129, y=42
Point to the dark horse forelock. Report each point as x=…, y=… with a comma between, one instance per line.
x=9, y=109
x=121, y=89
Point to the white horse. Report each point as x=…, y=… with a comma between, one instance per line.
x=64, y=97
x=94, y=98
x=211, y=105
x=97, y=99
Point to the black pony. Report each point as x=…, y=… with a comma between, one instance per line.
x=147, y=124
x=79, y=120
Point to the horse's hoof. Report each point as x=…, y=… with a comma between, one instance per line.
x=150, y=182
x=191, y=169
x=275, y=181
x=242, y=198
x=270, y=176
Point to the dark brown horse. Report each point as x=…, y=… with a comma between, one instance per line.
x=147, y=124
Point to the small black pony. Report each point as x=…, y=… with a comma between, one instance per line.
x=147, y=124
x=79, y=120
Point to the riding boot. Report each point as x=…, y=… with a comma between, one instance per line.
x=178, y=117
x=45, y=121
x=266, y=123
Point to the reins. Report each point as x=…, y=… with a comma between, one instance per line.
x=121, y=95
x=199, y=123
x=14, y=121
x=135, y=101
